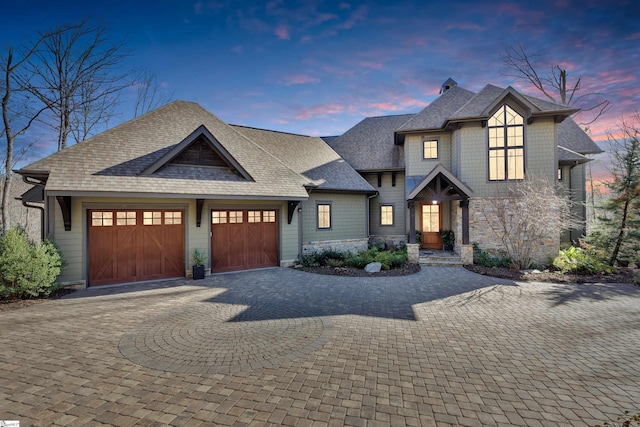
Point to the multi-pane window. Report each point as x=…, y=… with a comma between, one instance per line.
x=126, y=218
x=386, y=215
x=430, y=149
x=254, y=216
x=174, y=218
x=219, y=217
x=269, y=216
x=506, y=145
x=324, y=215
x=152, y=218
x=235, y=217
x=430, y=218
x=101, y=219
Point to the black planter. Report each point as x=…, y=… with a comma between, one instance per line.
x=447, y=247
x=198, y=272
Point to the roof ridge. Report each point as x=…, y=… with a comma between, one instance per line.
x=274, y=131
x=475, y=95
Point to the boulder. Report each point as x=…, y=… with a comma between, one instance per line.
x=373, y=267
x=636, y=276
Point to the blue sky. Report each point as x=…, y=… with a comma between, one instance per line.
x=319, y=67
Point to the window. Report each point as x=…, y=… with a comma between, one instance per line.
x=174, y=218
x=324, y=215
x=126, y=218
x=219, y=217
x=254, y=216
x=235, y=217
x=386, y=215
x=559, y=174
x=152, y=218
x=506, y=145
x=101, y=219
x=269, y=216
x=430, y=149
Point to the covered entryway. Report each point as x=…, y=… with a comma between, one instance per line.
x=243, y=239
x=135, y=245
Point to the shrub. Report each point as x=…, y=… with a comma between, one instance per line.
x=335, y=258
x=27, y=269
x=577, y=260
x=323, y=258
x=490, y=259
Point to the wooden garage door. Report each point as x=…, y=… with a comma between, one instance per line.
x=243, y=239
x=134, y=245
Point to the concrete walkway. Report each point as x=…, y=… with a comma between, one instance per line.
x=282, y=347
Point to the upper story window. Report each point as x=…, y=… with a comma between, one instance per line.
x=506, y=145
x=430, y=149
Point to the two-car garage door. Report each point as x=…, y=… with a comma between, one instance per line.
x=131, y=245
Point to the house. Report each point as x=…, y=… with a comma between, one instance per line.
x=132, y=203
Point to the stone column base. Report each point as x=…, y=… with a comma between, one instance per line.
x=466, y=254
x=413, y=253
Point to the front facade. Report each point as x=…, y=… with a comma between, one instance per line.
x=133, y=203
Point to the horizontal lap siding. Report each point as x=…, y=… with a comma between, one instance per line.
x=388, y=195
x=348, y=217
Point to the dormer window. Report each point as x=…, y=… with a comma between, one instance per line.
x=506, y=145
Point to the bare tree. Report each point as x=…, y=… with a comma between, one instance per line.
x=78, y=74
x=150, y=93
x=18, y=112
x=521, y=65
x=525, y=215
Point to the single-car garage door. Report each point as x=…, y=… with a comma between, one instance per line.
x=134, y=245
x=243, y=239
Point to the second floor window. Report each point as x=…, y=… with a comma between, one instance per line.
x=506, y=145
x=430, y=149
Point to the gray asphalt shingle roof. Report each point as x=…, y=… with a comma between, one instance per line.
x=309, y=156
x=571, y=136
x=113, y=160
x=369, y=144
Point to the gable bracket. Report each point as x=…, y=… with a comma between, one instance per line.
x=379, y=179
x=530, y=120
x=65, y=207
x=199, y=206
x=393, y=179
x=291, y=208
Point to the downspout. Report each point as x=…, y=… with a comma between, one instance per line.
x=368, y=214
x=300, y=229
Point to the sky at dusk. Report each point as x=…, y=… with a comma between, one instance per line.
x=318, y=68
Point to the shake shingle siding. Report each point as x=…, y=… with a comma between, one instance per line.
x=388, y=195
x=348, y=217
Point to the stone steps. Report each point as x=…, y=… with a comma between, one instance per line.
x=448, y=262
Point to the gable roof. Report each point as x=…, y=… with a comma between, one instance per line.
x=459, y=186
x=369, y=144
x=115, y=160
x=434, y=115
x=309, y=156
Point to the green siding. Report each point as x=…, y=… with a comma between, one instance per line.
x=415, y=164
x=348, y=217
x=73, y=244
x=388, y=195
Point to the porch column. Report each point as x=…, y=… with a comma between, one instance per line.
x=412, y=222
x=464, y=204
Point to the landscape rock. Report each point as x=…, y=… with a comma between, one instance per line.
x=373, y=267
x=636, y=276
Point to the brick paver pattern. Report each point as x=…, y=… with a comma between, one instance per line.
x=282, y=347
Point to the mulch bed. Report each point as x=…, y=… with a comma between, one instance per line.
x=14, y=304
x=624, y=275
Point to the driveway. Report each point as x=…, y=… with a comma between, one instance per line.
x=282, y=347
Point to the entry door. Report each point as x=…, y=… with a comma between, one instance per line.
x=430, y=224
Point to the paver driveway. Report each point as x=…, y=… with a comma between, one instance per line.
x=272, y=347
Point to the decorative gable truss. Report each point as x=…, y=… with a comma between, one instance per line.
x=200, y=149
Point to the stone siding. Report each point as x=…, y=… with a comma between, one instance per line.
x=481, y=232
x=351, y=245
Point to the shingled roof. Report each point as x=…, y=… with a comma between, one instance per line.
x=114, y=161
x=369, y=144
x=309, y=156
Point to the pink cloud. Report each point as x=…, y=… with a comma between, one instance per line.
x=299, y=79
x=634, y=36
x=373, y=65
x=464, y=26
x=359, y=14
x=321, y=110
x=282, y=31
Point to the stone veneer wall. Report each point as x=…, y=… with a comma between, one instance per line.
x=482, y=210
x=351, y=245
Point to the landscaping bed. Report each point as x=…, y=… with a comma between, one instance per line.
x=13, y=304
x=405, y=270
x=623, y=275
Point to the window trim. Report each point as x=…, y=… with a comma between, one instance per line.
x=505, y=149
x=437, y=141
x=393, y=214
x=330, y=205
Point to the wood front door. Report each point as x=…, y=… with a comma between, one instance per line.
x=430, y=225
x=134, y=245
x=243, y=239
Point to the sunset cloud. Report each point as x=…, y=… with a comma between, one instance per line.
x=282, y=32
x=299, y=79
